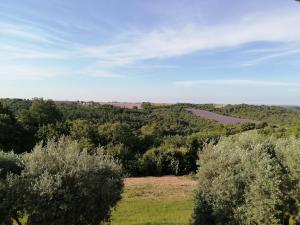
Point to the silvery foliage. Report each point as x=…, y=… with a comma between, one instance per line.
x=248, y=179
x=63, y=184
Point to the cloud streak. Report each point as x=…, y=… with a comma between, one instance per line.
x=28, y=42
x=258, y=83
x=278, y=27
x=30, y=72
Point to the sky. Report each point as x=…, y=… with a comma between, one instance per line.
x=199, y=51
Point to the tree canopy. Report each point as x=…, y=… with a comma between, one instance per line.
x=60, y=183
x=248, y=179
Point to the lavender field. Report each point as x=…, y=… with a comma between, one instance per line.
x=227, y=120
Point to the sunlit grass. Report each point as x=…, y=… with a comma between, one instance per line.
x=155, y=201
x=156, y=212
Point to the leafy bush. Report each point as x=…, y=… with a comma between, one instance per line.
x=118, y=133
x=63, y=184
x=84, y=132
x=10, y=165
x=52, y=131
x=248, y=179
x=11, y=133
x=164, y=160
x=127, y=157
x=295, y=128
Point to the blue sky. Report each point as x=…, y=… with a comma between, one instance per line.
x=208, y=51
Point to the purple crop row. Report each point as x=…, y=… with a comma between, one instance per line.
x=227, y=120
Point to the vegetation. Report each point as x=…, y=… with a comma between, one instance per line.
x=155, y=200
x=59, y=157
x=153, y=140
x=248, y=179
x=56, y=183
x=273, y=115
x=295, y=128
x=10, y=165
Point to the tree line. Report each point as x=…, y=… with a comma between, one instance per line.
x=156, y=140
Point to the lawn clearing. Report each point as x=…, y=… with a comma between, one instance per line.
x=155, y=200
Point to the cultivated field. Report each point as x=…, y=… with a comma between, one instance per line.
x=155, y=200
x=227, y=120
x=125, y=105
x=129, y=105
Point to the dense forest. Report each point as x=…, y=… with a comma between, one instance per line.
x=153, y=140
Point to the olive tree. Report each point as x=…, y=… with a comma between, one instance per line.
x=66, y=185
x=62, y=184
x=247, y=179
x=10, y=197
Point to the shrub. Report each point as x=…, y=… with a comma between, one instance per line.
x=84, y=132
x=295, y=128
x=164, y=160
x=10, y=165
x=127, y=157
x=247, y=126
x=247, y=179
x=118, y=133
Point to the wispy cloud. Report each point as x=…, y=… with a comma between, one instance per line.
x=31, y=33
x=277, y=27
x=30, y=72
x=26, y=41
x=17, y=52
x=229, y=82
x=262, y=55
x=23, y=41
x=95, y=71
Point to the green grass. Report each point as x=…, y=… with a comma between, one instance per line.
x=154, y=212
x=155, y=201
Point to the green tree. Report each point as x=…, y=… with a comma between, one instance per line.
x=289, y=157
x=52, y=131
x=128, y=158
x=40, y=113
x=118, y=133
x=84, y=132
x=152, y=134
x=12, y=135
x=7, y=129
x=248, y=179
x=10, y=198
x=63, y=184
x=164, y=160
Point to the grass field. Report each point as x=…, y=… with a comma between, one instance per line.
x=155, y=201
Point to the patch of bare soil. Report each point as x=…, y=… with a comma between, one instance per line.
x=167, y=187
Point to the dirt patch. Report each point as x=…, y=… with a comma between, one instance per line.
x=125, y=105
x=167, y=187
